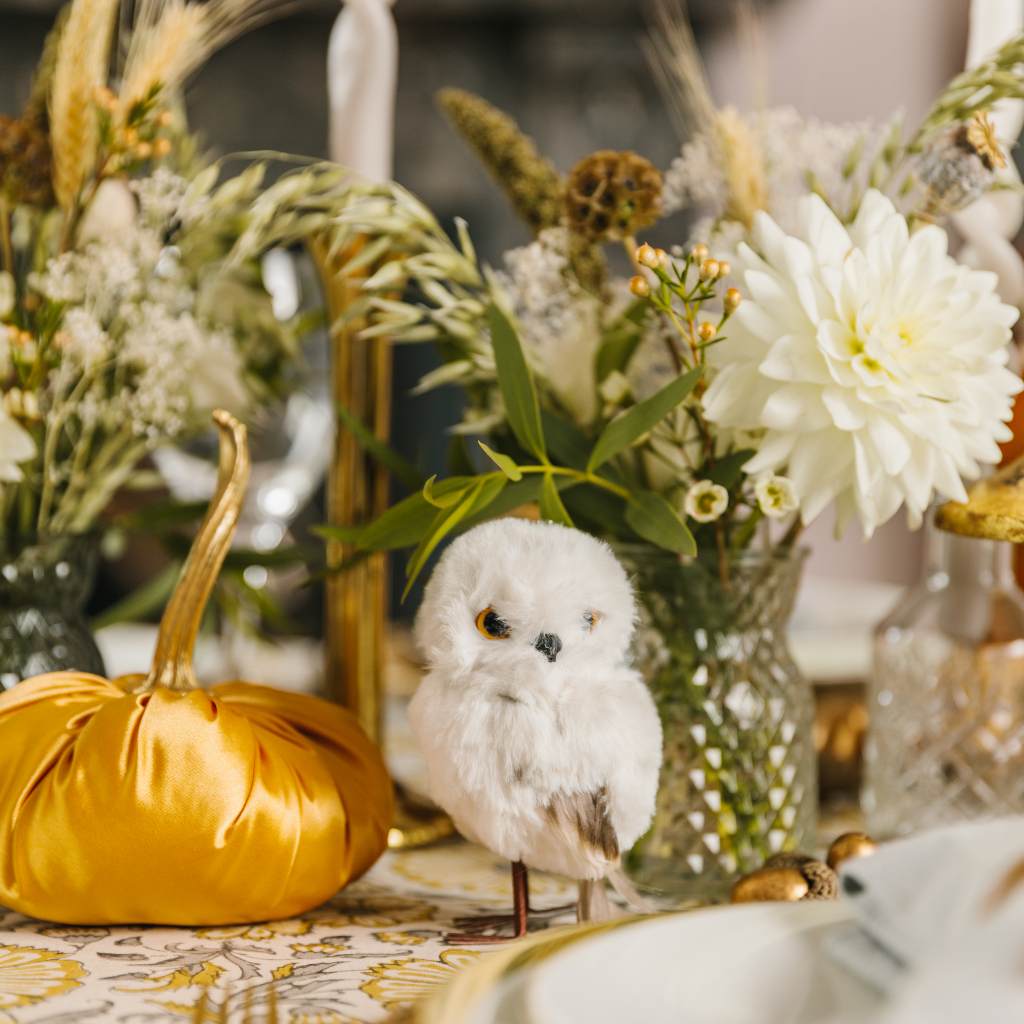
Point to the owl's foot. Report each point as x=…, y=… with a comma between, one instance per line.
x=474, y=927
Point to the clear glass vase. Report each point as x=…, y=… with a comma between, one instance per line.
x=43, y=590
x=946, y=698
x=739, y=775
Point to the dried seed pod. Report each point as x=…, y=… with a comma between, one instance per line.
x=960, y=164
x=770, y=884
x=24, y=162
x=848, y=845
x=610, y=195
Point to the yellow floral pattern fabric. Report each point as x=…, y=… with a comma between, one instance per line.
x=370, y=950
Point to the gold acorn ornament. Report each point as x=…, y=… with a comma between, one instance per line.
x=994, y=508
x=787, y=877
x=183, y=806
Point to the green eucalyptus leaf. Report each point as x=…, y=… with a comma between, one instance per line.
x=381, y=450
x=657, y=521
x=621, y=433
x=444, y=522
x=444, y=498
x=728, y=469
x=551, y=506
x=142, y=601
x=503, y=462
x=401, y=526
x=621, y=340
x=516, y=384
x=341, y=534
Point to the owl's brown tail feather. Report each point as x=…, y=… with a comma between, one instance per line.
x=593, y=902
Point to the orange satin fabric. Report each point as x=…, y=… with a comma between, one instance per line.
x=243, y=803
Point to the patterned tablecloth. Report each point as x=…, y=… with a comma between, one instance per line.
x=371, y=949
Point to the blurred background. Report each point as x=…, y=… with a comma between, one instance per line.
x=572, y=73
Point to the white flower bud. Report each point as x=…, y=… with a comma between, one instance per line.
x=705, y=501
x=776, y=495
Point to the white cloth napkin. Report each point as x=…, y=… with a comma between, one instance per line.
x=926, y=933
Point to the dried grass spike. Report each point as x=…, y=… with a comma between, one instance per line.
x=81, y=68
x=36, y=111
x=743, y=166
x=162, y=54
x=530, y=182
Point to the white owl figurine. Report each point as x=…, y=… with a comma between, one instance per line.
x=541, y=741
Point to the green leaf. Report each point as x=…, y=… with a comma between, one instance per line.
x=657, y=521
x=598, y=511
x=516, y=384
x=620, y=341
x=141, y=602
x=503, y=462
x=381, y=450
x=342, y=534
x=729, y=468
x=621, y=433
x=444, y=522
x=565, y=441
x=551, y=506
x=163, y=514
x=443, y=498
x=400, y=527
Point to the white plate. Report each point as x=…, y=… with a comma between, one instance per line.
x=753, y=964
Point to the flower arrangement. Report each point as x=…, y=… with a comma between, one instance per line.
x=860, y=363
x=123, y=320
x=812, y=341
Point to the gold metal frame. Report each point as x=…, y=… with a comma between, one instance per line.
x=357, y=491
x=355, y=621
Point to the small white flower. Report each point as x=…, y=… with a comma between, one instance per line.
x=6, y=294
x=705, y=501
x=16, y=445
x=776, y=495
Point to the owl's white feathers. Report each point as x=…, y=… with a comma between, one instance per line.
x=517, y=745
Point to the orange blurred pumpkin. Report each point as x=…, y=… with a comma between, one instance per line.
x=150, y=800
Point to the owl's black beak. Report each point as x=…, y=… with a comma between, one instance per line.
x=549, y=645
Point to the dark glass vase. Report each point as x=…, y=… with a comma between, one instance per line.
x=43, y=589
x=739, y=773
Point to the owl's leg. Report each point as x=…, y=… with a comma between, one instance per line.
x=474, y=926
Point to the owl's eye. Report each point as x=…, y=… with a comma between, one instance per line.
x=490, y=623
x=590, y=620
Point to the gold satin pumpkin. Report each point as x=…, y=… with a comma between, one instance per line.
x=149, y=800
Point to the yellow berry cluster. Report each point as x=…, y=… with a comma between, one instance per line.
x=131, y=136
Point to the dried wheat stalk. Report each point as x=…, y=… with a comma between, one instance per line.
x=172, y=39
x=82, y=67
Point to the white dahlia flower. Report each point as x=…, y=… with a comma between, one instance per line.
x=875, y=363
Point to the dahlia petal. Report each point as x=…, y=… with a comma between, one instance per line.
x=794, y=357
x=846, y=409
x=821, y=227
x=774, y=451
x=889, y=441
x=846, y=509
x=795, y=407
